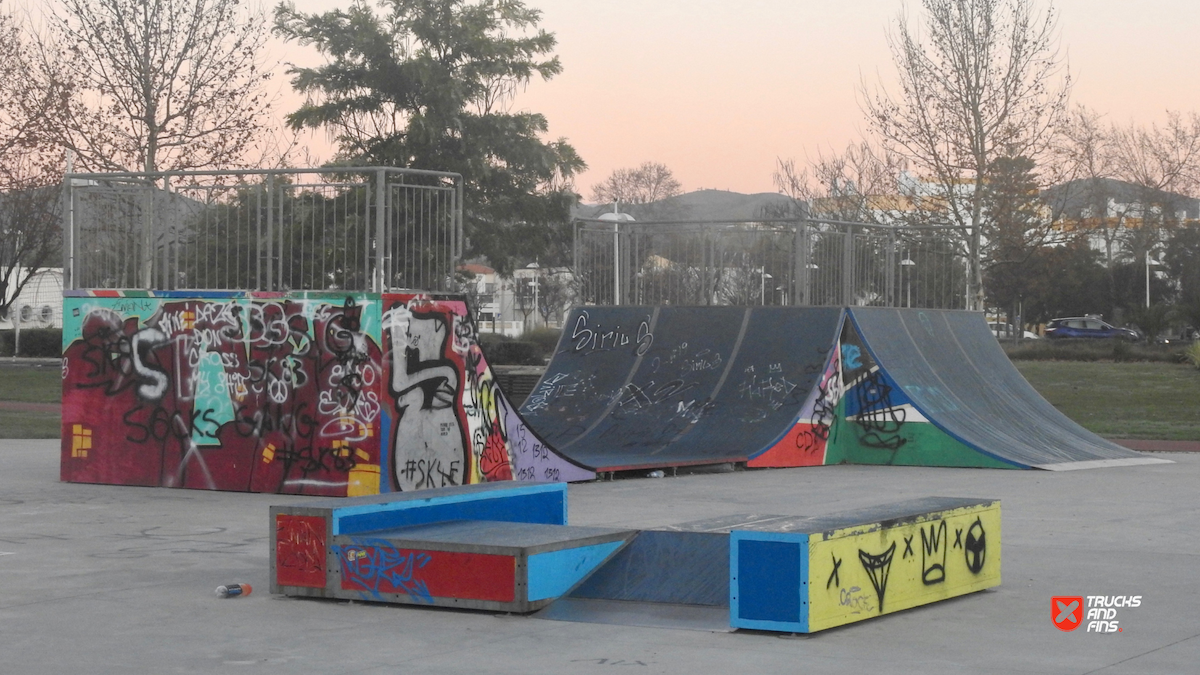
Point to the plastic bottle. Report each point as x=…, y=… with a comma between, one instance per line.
x=233, y=590
x=656, y=474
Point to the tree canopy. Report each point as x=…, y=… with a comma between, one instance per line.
x=650, y=182
x=429, y=84
x=30, y=236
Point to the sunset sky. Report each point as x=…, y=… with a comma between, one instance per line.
x=718, y=90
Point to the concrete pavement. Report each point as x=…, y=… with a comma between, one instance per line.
x=105, y=579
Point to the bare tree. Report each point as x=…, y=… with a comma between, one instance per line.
x=163, y=85
x=554, y=296
x=979, y=79
x=1159, y=158
x=30, y=236
x=858, y=184
x=650, y=182
x=1084, y=149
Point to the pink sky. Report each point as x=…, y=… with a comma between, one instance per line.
x=718, y=90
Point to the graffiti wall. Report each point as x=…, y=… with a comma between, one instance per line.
x=251, y=393
x=303, y=393
x=451, y=423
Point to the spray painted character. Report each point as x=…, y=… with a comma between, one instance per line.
x=429, y=446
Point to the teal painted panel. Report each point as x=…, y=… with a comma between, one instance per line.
x=556, y=572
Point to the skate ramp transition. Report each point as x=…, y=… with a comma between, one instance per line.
x=640, y=387
x=933, y=387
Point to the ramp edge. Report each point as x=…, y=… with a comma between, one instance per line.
x=1101, y=463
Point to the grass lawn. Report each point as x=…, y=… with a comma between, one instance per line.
x=1117, y=400
x=22, y=424
x=1122, y=400
x=32, y=384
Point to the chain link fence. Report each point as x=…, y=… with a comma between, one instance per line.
x=355, y=229
x=768, y=262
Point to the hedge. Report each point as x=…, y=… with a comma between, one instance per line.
x=35, y=342
x=1091, y=350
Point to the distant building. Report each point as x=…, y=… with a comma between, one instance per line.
x=40, y=303
x=509, y=306
x=1112, y=213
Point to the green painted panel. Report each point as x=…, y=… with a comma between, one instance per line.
x=912, y=444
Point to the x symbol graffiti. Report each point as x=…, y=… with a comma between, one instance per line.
x=833, y=576
x=958, y=537
x=1065, y=611
x=907, y=546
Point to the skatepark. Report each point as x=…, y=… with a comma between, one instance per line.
x=746, y=484
x=814, y=429
x=121, y=579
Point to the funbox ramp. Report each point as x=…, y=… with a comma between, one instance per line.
x=934, y=388
x=640, y=387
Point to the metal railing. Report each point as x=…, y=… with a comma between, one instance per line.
x=361, y=228
x=768, y=262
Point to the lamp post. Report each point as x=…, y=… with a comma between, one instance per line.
x=1149, y=261
x=906, y=266
x=616, y=218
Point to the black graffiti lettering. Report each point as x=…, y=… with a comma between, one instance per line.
x=907, y=547
x=933, y=568
x=975, y=549
x=431, y=473
x=834, y=578
x=877, y=418
x=877, y=568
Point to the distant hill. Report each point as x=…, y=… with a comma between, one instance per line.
x=698, y=205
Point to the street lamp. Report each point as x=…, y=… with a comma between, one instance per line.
x=616, y=218
x=906, y=264
x=1149, y=261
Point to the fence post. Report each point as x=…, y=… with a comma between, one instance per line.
x=458, y=224
x=804, y=274
x=627, y=266
x=166, y=268
x=147, y=253
x=379, y=279
x=68, y=214
x=891, y=268
x=270, y=233
x=848, y=268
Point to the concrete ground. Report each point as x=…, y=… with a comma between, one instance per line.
x=103, y=579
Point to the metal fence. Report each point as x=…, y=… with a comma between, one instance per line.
x=363, y=229
x=768, y=262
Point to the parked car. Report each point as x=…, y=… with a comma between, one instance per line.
x=1088, y=327
x=1004, y=331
